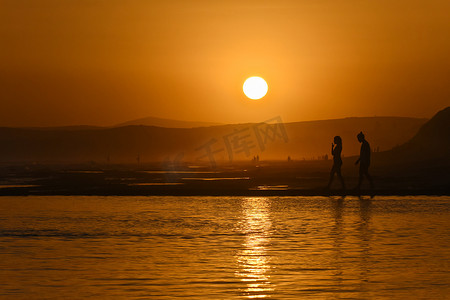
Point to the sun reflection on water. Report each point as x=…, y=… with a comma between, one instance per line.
x=254, y=259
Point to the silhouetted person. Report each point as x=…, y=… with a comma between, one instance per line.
x=337, y=161
x=363, y=160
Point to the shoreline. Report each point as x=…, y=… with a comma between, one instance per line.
x=268, y=179
x=228, y=192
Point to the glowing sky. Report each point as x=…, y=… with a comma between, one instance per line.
x=104, y=62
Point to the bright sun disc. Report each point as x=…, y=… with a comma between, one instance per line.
x=255, y=87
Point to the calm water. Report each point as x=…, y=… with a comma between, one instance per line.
x=224, y=247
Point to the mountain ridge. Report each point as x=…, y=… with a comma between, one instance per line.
x=302, y=140
x=168, y=123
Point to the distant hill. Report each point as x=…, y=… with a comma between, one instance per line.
x=66, y=128
x=299, y=140
x=431, y=143
x=168, y=123
x=422, y=162
x=433, y=137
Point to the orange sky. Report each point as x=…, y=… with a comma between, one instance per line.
x=103, y=62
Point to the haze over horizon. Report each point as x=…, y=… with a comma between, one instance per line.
x=106, y=62
x=175, y=123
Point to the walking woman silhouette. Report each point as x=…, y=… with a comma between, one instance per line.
x=337, y=161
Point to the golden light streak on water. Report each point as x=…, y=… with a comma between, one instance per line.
x=254, y=259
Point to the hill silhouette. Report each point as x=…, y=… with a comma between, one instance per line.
x=430, y=144
x=127, y=144
x=86, y=161
x=433, y=139
x=422, y=162
x=65, y=128
x=168, y=123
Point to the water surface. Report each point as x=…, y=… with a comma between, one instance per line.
x=224, y=247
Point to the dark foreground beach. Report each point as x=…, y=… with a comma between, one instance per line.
x=303, y=178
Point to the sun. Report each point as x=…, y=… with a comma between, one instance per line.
x=255, y=87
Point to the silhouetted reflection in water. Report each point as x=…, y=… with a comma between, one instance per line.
x=360, y=252
x=365, y=236
x=337, y=236
x=253, y=259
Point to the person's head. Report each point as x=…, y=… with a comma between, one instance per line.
x=360, y=137
x=337, y=140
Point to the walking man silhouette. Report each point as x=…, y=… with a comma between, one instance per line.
x=363, y=160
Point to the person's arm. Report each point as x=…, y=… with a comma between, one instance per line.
x=357, y=162
x=332, y=149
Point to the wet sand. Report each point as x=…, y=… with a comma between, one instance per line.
x=303, y=178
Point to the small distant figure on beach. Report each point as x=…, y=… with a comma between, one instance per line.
x=364, y=161
x=336, y=151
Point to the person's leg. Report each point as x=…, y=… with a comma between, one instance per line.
x=361, y=175
x=333, y=170
x=369, y=178
x=338, y=172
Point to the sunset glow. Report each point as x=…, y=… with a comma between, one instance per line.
x=255, y=87
x=143, y=154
